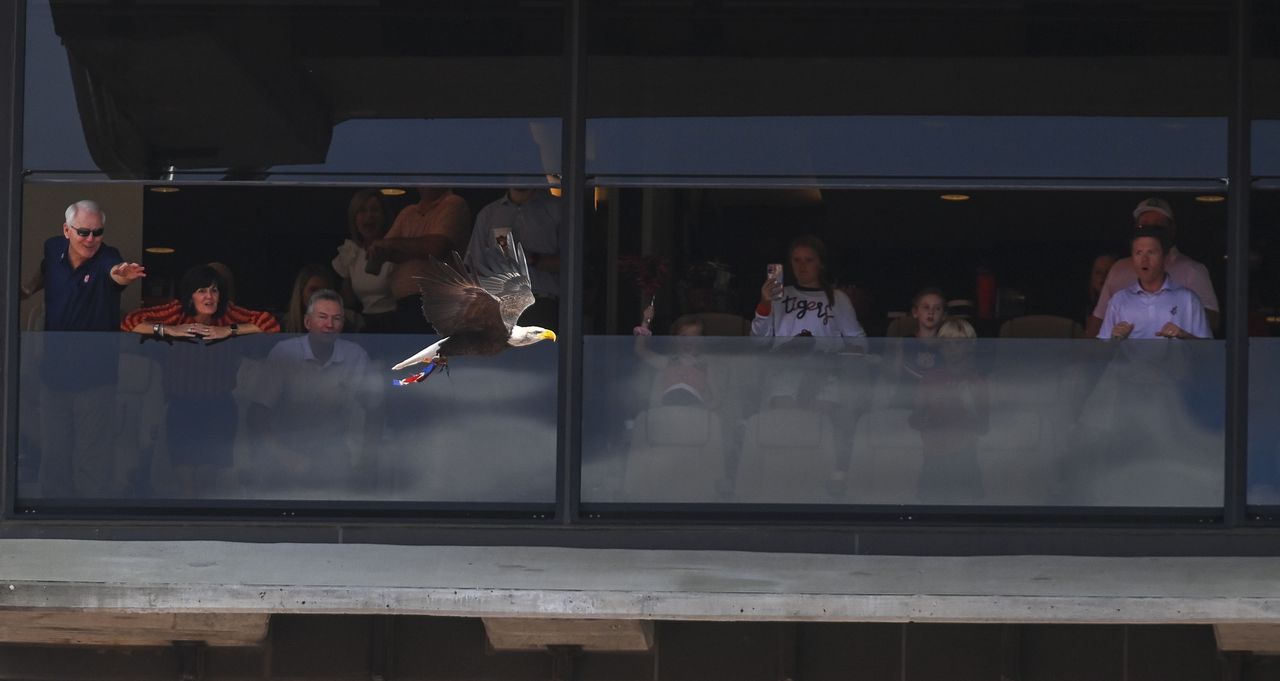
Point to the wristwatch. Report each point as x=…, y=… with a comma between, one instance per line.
x=157, y=330
x=235, y=329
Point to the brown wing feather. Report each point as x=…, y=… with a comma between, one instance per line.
x=507, y=278
x=454, y=301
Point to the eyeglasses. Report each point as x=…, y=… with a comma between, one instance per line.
x=85, y=233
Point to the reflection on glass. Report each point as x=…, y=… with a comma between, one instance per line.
x=168, y=88
x=910, y=146
x=1264, y=429
x=1265, y=147
x=445, y=146
x=115, y=426
x=1008, y=422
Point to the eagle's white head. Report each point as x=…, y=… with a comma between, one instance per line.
x=528, y=335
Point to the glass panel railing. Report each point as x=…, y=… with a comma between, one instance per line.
x=1264, y=430
x=981, y=423
x=107, y=421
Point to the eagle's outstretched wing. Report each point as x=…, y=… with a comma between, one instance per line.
x=453, y=300
x=506, y=278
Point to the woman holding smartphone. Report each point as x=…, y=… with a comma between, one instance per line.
x=809, y=306
x=809, y=320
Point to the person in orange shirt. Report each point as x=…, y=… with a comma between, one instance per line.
x=437, y=225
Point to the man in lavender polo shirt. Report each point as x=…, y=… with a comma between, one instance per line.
x=1183, y=271
x=1154, y=306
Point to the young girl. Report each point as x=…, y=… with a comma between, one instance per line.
x=683, y=378
x=929, y=309
x=952, y=410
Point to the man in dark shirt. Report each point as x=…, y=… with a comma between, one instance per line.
x=82, y=279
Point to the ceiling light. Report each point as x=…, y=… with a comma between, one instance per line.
x=160, y=250
x=1211, y=198
x=954, y=197
x=391, y=191
x=163, y=190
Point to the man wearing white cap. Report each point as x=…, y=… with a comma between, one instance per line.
x=1182, y=270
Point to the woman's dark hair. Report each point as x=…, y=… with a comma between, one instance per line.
x=816, y=245
x=199, y=277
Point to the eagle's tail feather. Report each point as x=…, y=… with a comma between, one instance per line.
x=426, y=356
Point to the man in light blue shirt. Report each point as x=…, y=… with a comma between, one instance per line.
x=314, y=398
x=1154, y=306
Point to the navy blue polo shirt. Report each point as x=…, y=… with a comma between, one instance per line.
x=85, y=298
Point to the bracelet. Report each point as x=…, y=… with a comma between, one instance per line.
x=157, y=330
x=235, y=329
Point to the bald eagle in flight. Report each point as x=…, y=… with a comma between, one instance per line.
x=477, y=315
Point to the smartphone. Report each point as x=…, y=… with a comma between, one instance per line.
x=774, y=271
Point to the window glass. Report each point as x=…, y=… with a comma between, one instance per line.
x=831, y=400
x=813, y=90
x=291, y=405
x=1264, y=350
x=253, y=90
x=1264, y=256
x=1264, y=68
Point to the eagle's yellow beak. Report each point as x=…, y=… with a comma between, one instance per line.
x=548, y=335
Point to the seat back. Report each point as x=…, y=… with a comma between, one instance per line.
x=1041, y=326
x=676, y=455
x=902, y=327
x=884, y=466
x=788, y=455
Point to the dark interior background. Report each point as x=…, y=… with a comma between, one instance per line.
x=889, y=243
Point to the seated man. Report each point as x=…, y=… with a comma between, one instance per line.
x=1154, y=306
x=310, y=402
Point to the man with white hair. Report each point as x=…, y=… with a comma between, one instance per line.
x=82, y=277
x=1155, y=213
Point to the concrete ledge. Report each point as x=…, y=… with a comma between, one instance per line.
x=38, y=574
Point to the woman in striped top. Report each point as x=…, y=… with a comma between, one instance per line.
x=201, y=417
x=199, y=312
